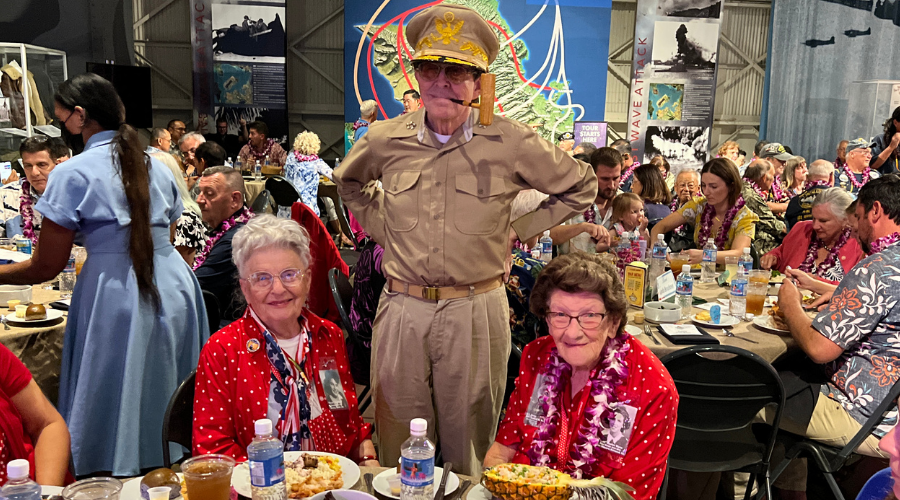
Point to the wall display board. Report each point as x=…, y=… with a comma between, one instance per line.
x=549, y=74
x=592, y=132
x=673, y=80
x=239, y=62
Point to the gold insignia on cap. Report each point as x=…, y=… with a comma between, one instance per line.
x=423, y=42
x=474, y=49
x=447, y=30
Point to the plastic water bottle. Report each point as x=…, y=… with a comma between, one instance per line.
x=708, y=271
x=745, y=263
x=257, y=171
x=237, y=164
x=337, y=162
x=658, y=259
x=265, y=455
x=267, y=163
x=229, y=163
x=684, y=290
x=739, y=296
x=19, y=486
x=417, y=463
x=546, y=243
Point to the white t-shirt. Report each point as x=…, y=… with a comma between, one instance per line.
x=583, y=241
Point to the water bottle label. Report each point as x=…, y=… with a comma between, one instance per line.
x=739, y=288
x=659, y=252
x=684, y=288
x=547, y=247
x=709, y=255
x=267, y=472
x=746, y=266
x=417, y=473
x=70, y=266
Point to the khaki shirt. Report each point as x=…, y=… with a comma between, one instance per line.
x=443, y=216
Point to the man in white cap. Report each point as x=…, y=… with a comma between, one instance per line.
x=441, y=338
x=857, y=172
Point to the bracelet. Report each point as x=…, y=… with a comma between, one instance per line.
x=367, y=457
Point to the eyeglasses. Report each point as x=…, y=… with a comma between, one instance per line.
x=455, y=73
x=263, y=280
x=864, y=152
x=587, y=321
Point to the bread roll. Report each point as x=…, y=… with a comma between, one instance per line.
x=36, y=311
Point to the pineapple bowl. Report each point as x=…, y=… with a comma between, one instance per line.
x=527, y=482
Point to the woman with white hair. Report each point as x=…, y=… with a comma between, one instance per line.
x=278, y=359
x=822, y=247
x=303, y=168
x=190, y=234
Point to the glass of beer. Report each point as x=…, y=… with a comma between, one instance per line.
x=80, y=255
x=731, y=265
x=97, y=488
x=756, y=297
x=679, y=260
x=760, y=276
x=208, y=476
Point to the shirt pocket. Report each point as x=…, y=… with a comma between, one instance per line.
x=401, y=200
x=478, y=206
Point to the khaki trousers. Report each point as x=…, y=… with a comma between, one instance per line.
x=443, y=361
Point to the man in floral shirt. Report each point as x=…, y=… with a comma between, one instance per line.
x=856, y=335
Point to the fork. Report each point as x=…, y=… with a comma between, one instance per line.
x=729, y=334
x=649, y=334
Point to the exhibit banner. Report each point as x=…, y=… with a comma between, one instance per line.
x=592, y=132
x=673, y=80
x=548, y=71
x=239, y=63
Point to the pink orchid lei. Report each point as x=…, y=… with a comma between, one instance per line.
x=884, y=242
x=242, y=218
x=865, y=176
x=778, y=193
x=303, y=158
x=627, y=173
x=606, y=377
x=813, y=184
x=27, y=211
x=261, y=156
x=590, y=215
x=707, y=218
x=358, y=124
x=830, y=260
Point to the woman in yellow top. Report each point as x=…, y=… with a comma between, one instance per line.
x=719, y=214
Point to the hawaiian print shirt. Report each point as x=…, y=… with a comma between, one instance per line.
x=770, y=230
x=304, y=175
x=744, y=221
x=863, y=318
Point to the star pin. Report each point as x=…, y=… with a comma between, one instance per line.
x=410, y=125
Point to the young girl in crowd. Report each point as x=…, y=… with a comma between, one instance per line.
x=628, y=218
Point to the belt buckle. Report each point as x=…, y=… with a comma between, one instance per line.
x=431, y=293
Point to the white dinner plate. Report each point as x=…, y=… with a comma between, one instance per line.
x=51, y=490
x=381, y=481
x=633, y=330
x=726, y=321
x=767, y=322
x=240, y=479
x=479, y=492
x=52, y=314
x=131, y=490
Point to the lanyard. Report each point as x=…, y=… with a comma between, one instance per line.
x=301, y=348
x=564, y=433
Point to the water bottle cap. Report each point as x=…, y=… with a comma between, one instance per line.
x=661, y=237
x=17, y=469
x=263, y=426
x=747, y=251
x=686, y=269
x=547, y=232
x=418, y=426
x=710, y=241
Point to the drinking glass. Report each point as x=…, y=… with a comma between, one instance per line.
x=760, y=276
x=80, y=254
x=731, y=265
x=679, y=260
x=756, y=297
x=208, y=476
x=97, y=488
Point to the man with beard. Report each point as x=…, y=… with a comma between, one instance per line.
x=441, y=337
x=587, y=231
x=855, y=335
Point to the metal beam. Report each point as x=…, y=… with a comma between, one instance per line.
x=316, y=27
x=326, y=76
x=753, y=64
x=621, y=49
x=331, y=144
x=157, y=10
x=164, y=43
x=164, y=75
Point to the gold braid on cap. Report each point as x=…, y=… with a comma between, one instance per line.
x=474, y=49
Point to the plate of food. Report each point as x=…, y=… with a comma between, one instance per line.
x=773, y=321
x=382, y=482
x=136, y=489
x=34, y=313
x=306, y=473
x=704, y=318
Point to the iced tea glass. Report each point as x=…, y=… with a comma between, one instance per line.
x=760, y=276
x=756, y=297
x=680, y=260
x=208, y=476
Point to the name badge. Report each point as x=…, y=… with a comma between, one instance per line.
x=534, y=416
x=621, y=425
x=334, y=391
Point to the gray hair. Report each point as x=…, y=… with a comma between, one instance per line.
x=197, y=136
x=233, y=178
x=158, y=133
x=622, y=146
x=837, y=199
x=367, y=108
x=265, y=231
x=691, y=171
x=186, y=199
x=757, y=169
x=821, y=169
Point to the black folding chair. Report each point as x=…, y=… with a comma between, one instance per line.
x=342, y=292
x=261, y=203
x=178, y=422
x=830, y=459
x=283, y=192
x=721, y=389
x=512, y=371
x=213, y=311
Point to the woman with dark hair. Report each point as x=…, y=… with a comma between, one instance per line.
x=795, y=174
x=650, y=186
x=136, y=321
x=660, y=162
x=719, y=215
x=885, y=151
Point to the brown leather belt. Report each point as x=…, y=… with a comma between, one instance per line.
x=443, y=292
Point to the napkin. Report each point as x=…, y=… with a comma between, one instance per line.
x=686, y=334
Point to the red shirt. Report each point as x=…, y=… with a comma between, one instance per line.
x=792, y=250
x=648, y=389
x=232, y=390
x=16, y=443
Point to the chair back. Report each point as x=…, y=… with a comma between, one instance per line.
x=260, y=204
x=283, y=192
x=178, y=422
x=342, y=291
x=722, y=388
x=213, y=311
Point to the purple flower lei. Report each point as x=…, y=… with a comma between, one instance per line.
x=261, y=156
x=884, y=242
x=830, y=260
x=865, y=176
x=812, y=184
x=302, y=157
x=27, y=212
x=242, y=218
x=628, y=172
x=707, y=218
x=358, y=124
x=606, y=377
x=778, y=190
x=589, y=215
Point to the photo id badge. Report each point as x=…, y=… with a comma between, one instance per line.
x=621, y=425
x=534, y=416
x=334, y=391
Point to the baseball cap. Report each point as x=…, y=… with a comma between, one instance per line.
x=857, y=144
x=775, y=150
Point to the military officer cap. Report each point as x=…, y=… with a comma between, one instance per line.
x=566, y=136
x=857, y=144
x=452, y=34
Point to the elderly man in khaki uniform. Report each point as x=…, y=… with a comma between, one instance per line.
x=441, y=335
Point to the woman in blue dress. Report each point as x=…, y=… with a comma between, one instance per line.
x=136, y=322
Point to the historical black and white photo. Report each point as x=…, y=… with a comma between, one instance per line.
x=684, y=147
x=685, y=47
x=690, y=8
x=248, y=33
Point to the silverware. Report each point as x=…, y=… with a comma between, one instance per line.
x=458, y=494
x=729, y=334
x=439, y=493
x=650, y=334
x=367, y=477
x=5, y=324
